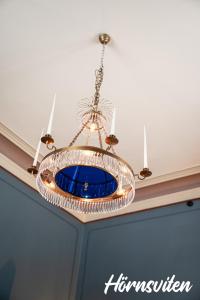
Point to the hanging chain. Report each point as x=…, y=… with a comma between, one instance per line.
x=78, y=133
x=99, y=78
x=76, y=136
x=98, y=83
x=100, y=137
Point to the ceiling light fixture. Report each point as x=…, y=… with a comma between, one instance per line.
x=88, y=179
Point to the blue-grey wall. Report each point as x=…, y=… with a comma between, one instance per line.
x=146, y=246
x=40, y=245
x=45, y=254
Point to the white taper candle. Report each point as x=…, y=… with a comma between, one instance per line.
x=145, y=148
x=49, y=129
x=112, y=130
x=37, y=150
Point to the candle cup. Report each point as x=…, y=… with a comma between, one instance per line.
x=32, y=170
x=47, y=139
x=145, y=172
x=111, y=140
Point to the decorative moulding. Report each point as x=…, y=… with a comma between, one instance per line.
x=22, y=174
x=155, y=202
x=136, y=206
x=168, y=177
x=17, y=171
x=15, y=139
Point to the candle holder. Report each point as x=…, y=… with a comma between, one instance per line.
x=32, y=170
x=47, y=139
x=111, y=140
x=145, y=173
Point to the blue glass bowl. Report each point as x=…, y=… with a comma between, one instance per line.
x=86, y=182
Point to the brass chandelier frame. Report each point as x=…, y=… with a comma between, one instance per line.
x=92, y=120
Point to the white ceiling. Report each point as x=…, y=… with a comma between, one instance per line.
x=152, y=72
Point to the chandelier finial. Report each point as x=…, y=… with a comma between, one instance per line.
x=104, y=38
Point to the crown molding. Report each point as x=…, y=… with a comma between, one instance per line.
x=136, y=206
x=167, y=177
x=17, y=171
x=28, y=179
x=16, y=140
x=151, y=203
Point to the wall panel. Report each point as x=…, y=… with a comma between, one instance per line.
x=39, y=245
x=151, y=245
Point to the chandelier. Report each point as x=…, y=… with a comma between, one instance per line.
x=88, y=178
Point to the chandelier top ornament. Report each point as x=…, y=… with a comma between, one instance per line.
x=88, y=178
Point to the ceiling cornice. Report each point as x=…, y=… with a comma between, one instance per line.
x=168, y=177
x=24, y=176
x=136, y=206
x=15, y=139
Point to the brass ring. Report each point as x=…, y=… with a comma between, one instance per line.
x=93, y=149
